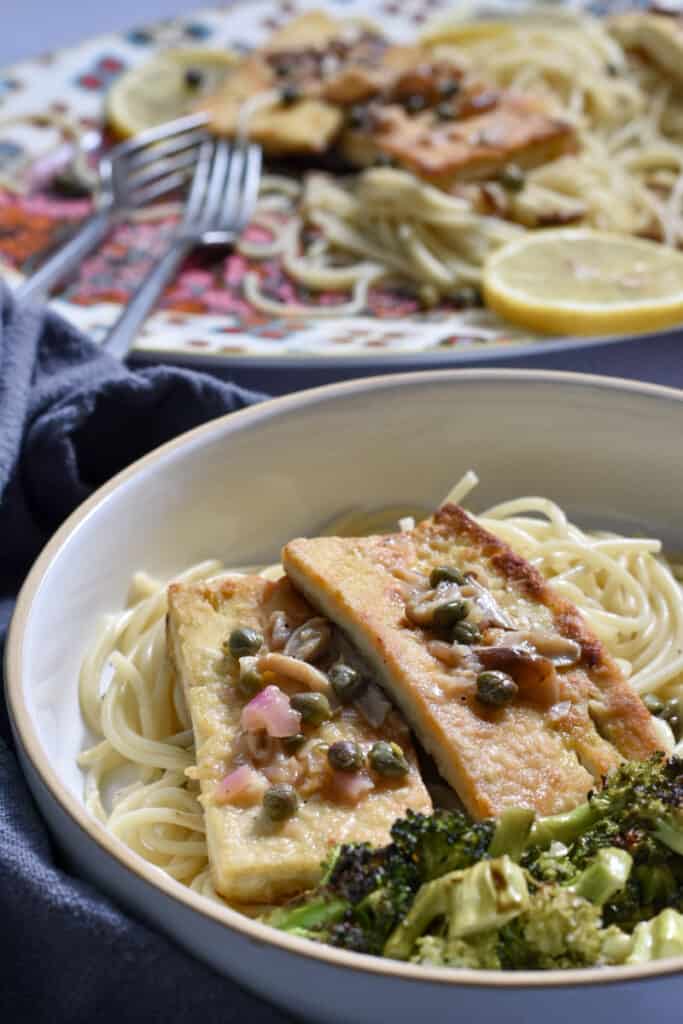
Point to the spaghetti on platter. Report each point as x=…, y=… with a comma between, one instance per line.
x=385, y=224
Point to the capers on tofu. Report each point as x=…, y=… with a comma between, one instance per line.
x=449, y=87
x=512, y=178
x=289, y=94
x=280, y=802
x=345, y=756
x=345, y=681
x=446, y=574
x=314, y=708
x=450, y=613
x=193, y=78
x=250, y=682
x=415, y=103
x=446, y=111
x=388, y=759
x=466, y=633
x=244, y=641
x=496, y=688
x=291, y=744
x=653, y=703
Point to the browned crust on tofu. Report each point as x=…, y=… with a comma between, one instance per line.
x=517, y=128
x=626, y=721
x=494, y=758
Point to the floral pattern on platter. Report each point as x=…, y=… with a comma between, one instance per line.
x=204, y=310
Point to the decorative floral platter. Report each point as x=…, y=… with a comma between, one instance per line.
x=46, y=102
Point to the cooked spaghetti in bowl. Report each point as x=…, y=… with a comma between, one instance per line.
x=245, y=485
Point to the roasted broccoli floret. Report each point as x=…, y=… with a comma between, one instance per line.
x=441, y=842
x=639, y=809
x=464, y=903
x=559, y=929
x=448, y=890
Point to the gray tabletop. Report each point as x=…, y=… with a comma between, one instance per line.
x=39, y=25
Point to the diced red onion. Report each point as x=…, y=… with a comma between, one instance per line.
x=236, y=782
x=350, y=787
x=270, y=710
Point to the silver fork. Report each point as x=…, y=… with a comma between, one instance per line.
x=131, y=174
x=221, y=200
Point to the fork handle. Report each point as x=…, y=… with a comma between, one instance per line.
x=120, y=338
x=67, y=257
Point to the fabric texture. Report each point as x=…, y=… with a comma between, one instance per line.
x=70, y=417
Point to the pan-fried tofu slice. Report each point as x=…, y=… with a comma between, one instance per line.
x=574, y=715
x=253, y=861
x=658, y=36
x=515, y=129
x=308, y=126
x=325, y=65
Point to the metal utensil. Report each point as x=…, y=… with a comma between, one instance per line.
x=133, y=173
x=221, y=200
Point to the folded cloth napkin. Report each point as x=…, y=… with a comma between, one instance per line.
x=70, y=417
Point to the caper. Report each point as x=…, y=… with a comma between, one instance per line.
x=496, y=688
x=280, y=802
x=345, y=756
x=672, y=709
x=672, y=713
x=244, y=641
x=653, y=704
x=415, y=103
x=193, y=78
x=289, y=94
x=466, y=633
x=314, y=708
x=290, y=744
x=446, y=574
x=467, y=297
x=358, y=117
x=449, y=614
x=345, y=681
x=250, y=682
x=449, y=87
x=388, y=759
x=446, y=111
x=512, y=178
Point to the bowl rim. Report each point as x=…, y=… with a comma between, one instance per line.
x=149, y=874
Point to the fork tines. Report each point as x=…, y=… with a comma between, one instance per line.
x=225, y=187
x=157, y=161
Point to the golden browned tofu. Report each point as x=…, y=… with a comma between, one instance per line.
x=658, y=36
x=307, y=126
x=322, y=66
x=564, y=716
x=515, y=129
x=254, y=859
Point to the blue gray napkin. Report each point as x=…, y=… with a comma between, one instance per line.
x=70, y=417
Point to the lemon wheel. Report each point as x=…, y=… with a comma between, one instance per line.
x=170, y=85
x=579, y=281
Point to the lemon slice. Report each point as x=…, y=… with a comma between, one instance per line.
x=164, y=88
x=578, y=281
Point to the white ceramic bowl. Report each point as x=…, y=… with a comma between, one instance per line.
x=237, y=488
